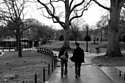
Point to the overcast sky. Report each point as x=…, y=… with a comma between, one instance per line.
x=91, y=17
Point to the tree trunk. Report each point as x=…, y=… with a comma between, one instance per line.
x=66, y=38
x=20, y=48
x=18, y=39
x=67, y=24
x=113, y=47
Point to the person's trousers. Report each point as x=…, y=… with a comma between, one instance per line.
x=77, y=69
x=63, y=68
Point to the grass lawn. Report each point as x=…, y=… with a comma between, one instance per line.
x=109, y=61
x=23, y=68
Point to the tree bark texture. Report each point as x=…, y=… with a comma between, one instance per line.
x=113, y=47
x=18, y=40
x=67, y=24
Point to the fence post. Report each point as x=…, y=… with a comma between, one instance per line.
x=48, y=69
x=120, y=73
x=22, y=81
x=52, y=66
x=124, y=76
x=55, y=61
x=35, y=78
x=44, y=77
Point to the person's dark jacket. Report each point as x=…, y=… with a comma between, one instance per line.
x=62, y=52
x=78, y=55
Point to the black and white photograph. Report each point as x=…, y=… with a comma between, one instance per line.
x=62, y=41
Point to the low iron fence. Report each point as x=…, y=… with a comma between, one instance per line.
x=47, y=70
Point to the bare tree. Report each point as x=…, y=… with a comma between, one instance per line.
x=113, y=47
x=11, y=13
x=69, y=6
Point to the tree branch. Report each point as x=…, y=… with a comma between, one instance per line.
x=9, y=9
x=77, y=16
x=82, y=11
x=58, y=0
x=49, y=17
x=52, y=14
x=22, y=7
x=101, y=5
x=58, y=21
x=80, y=3
x=70, y=5
x=52, y=6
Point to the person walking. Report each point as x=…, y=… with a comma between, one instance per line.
x=78, y=59
x=63, y=55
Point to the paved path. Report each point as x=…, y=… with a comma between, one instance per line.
x=90, y=73
x=114, y=74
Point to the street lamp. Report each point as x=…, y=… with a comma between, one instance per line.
x=87, y=38
x=102, y=35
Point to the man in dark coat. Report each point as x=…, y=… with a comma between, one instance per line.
x=78, y=56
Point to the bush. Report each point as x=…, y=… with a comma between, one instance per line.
x=87, y=38
x=44, y=41
x=61, y=38
x=122, y=39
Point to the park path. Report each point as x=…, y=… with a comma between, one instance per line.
x=90, y=73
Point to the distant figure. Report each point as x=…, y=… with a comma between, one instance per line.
x=63, y=55
x=78, y=59
x=97, y=50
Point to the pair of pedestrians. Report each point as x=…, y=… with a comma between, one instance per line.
x=77, y=58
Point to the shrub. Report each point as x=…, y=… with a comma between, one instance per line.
x=61, y=38
x=87, y=38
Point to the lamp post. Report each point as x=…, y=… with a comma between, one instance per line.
x=87, y=37
x=102, y=35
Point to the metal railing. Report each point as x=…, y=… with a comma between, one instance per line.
x=46, y=71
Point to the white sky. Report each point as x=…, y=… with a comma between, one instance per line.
x=91, y=17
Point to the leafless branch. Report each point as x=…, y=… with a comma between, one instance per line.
x=58, y=0
x=76, y=5
x=52, y=6
x=101, y=5
x=52, y=14
x=82, y=11
x=49, y=17
x=77, y=16
x=22, y=8
x=70, y=5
